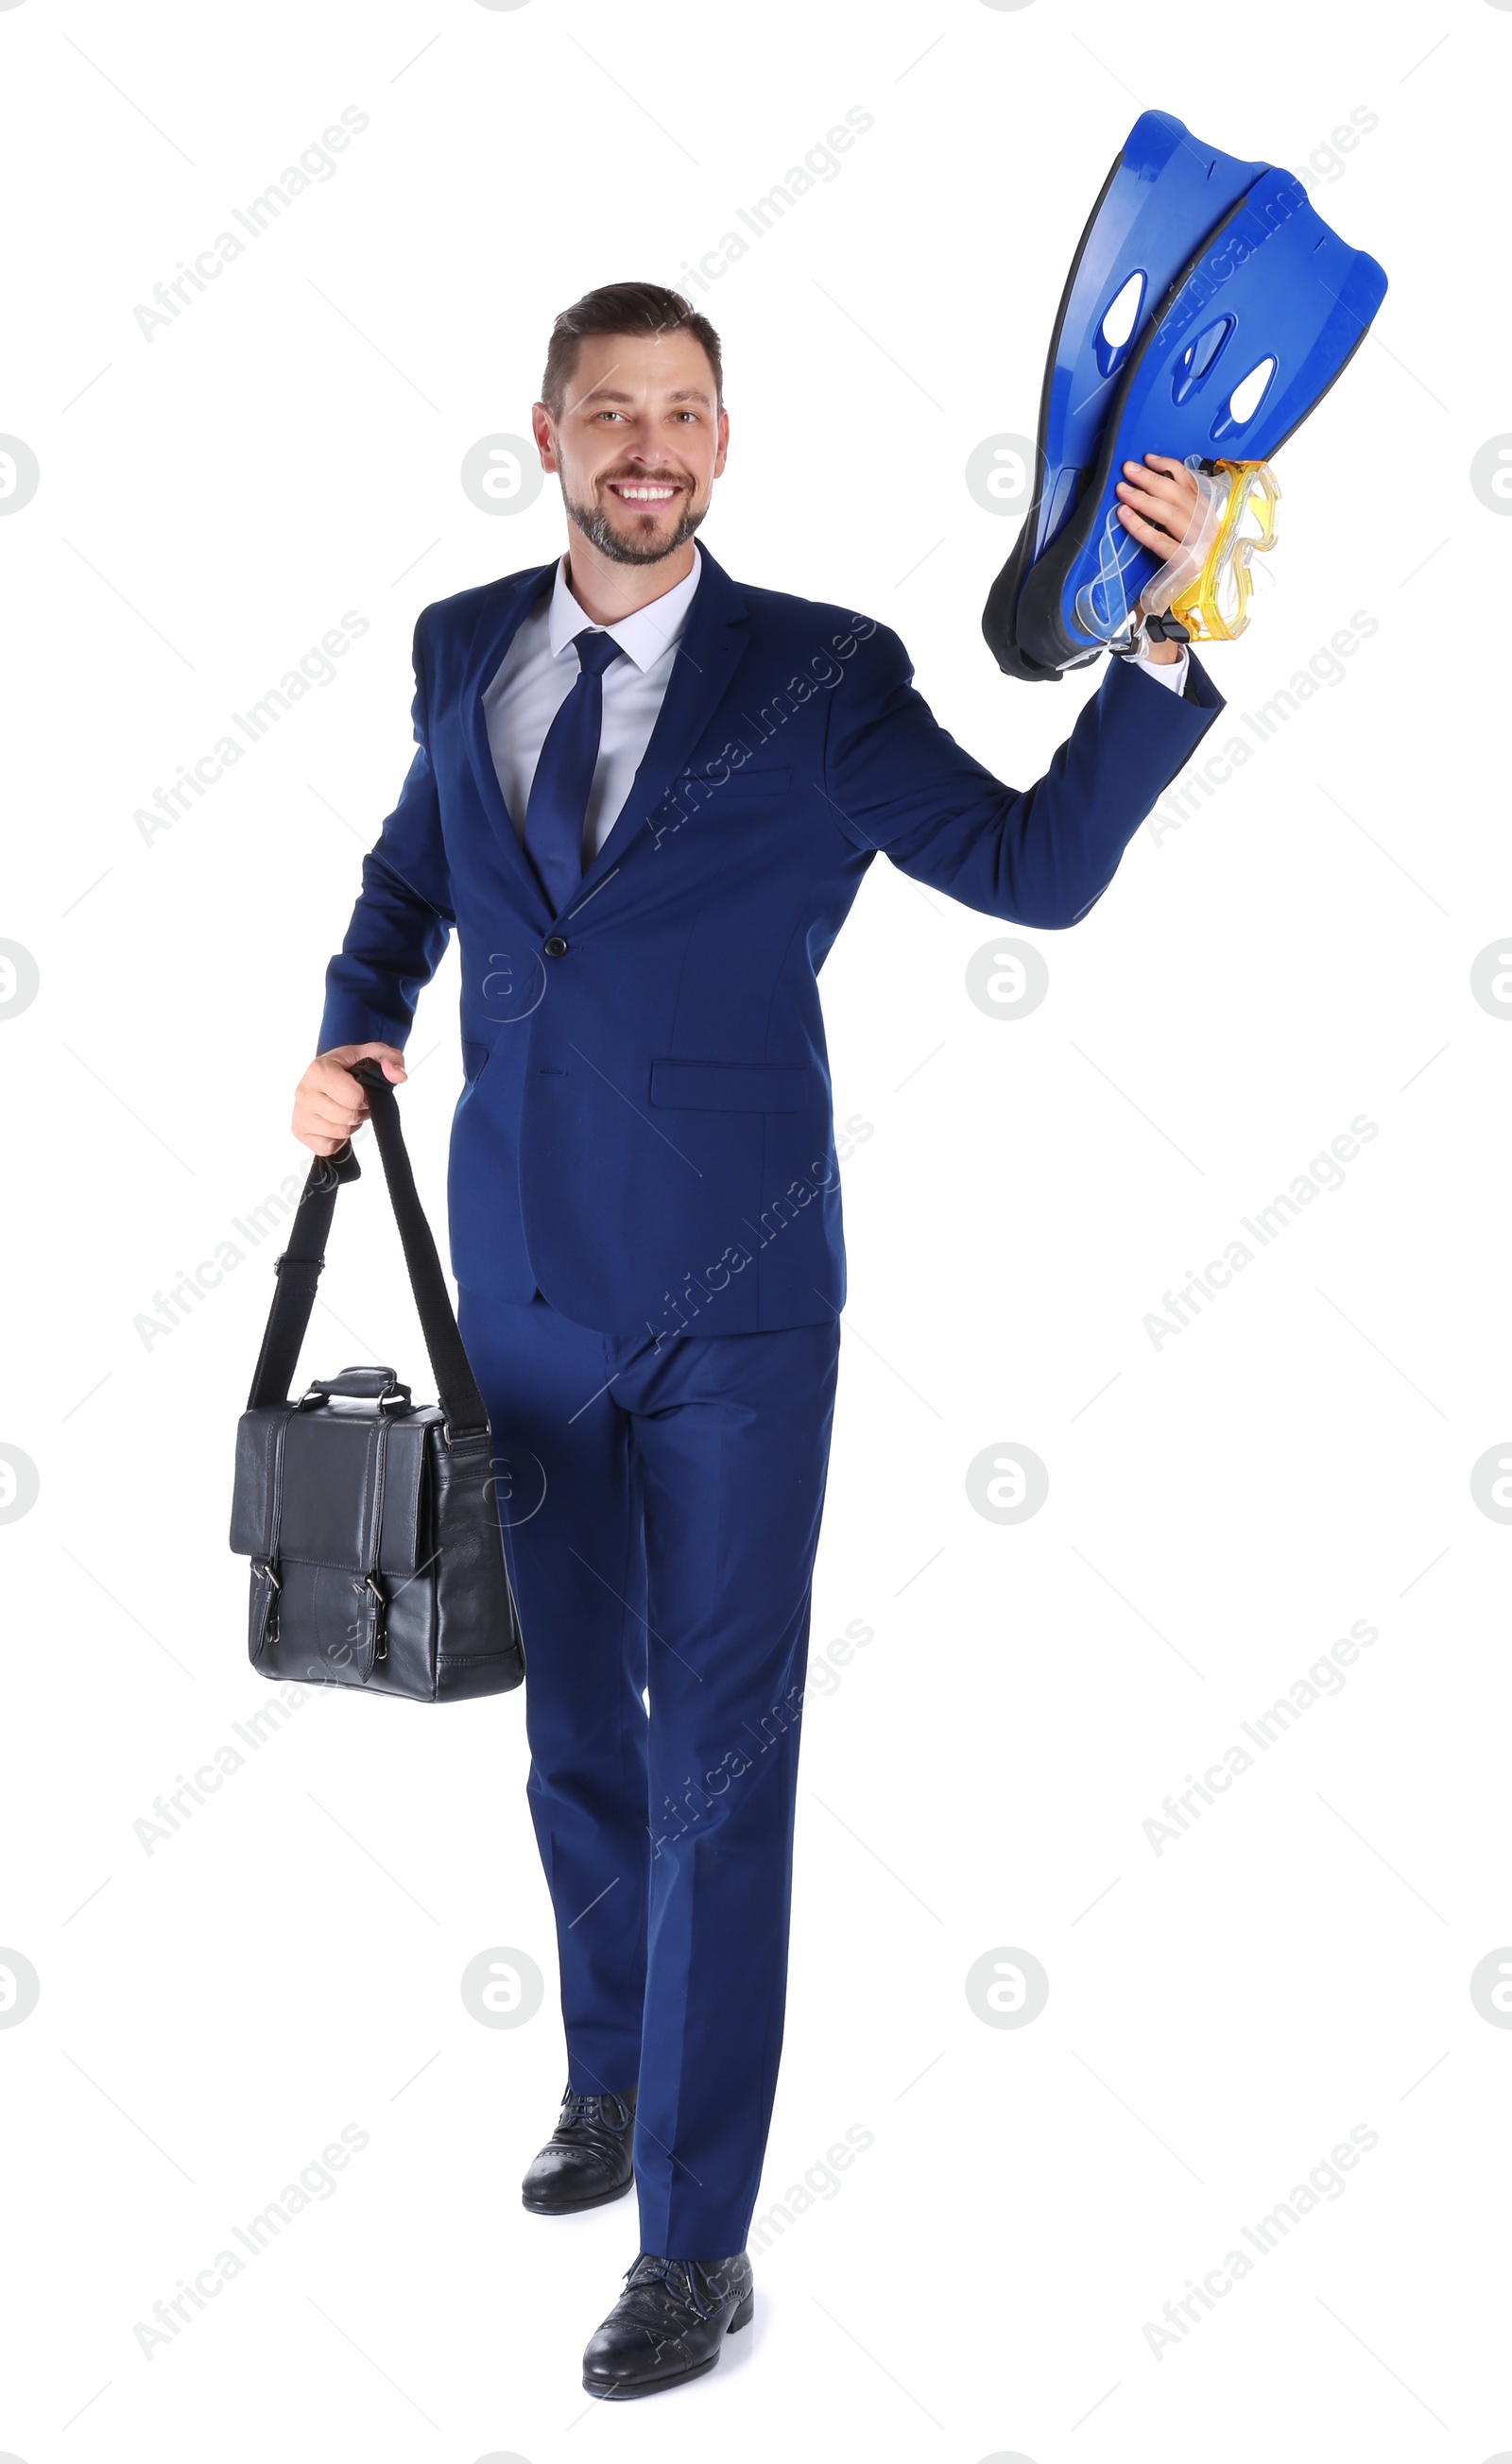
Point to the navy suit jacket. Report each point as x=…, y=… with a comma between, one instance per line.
x=645, y=1135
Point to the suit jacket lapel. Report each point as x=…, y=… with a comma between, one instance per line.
x=504, y=610
x=713, y=643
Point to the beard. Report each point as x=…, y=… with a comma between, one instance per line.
x=596, y=526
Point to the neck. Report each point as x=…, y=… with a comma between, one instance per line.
x=607, y=591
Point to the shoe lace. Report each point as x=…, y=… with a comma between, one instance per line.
x=607, y=2112
x=685, y=2279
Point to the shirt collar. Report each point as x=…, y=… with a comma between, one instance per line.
x=645, y=636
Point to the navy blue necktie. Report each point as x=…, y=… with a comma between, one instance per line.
x=557, y=808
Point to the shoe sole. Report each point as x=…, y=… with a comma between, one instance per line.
x=573, y=2207
x=652, y=2387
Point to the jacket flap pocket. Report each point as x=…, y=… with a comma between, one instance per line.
x=729, y=1086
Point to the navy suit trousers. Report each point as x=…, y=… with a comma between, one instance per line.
x=660, y=1503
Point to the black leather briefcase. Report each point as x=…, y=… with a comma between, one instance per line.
x=371, y=1520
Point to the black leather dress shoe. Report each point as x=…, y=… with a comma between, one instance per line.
x=586, y=2160
x=669, y=2324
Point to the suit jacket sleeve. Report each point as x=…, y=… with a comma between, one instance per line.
x=404, y=916
x=1039, y=855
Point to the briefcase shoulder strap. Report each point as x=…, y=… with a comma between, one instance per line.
x=299, y=1269
x=297, y=1274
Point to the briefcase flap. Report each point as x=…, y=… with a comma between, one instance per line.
x=306, y=1482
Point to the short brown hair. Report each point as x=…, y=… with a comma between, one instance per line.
x=623, y=308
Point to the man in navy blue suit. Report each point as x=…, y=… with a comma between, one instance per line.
x=644, y=797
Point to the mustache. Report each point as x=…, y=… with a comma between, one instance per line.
x=645, y=479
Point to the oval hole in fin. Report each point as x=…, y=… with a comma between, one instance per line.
x=1198, y=357
x=1118, y=322
x=1120, y=319
x=1246, y=398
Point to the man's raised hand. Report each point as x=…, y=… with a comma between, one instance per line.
x=1157, y=502
x=1157, y=498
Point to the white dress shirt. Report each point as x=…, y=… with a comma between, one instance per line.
x=538, y=671
x=1169, y=672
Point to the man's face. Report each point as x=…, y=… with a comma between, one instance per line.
x=639, y=443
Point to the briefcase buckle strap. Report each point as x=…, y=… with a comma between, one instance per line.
x=264, y=1607
x=380, y=1609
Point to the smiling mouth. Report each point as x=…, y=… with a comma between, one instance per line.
x=652, y=494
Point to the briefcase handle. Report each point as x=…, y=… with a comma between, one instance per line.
x=298, y=1271
x=363, y=1385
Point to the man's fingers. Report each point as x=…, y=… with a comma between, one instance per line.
x=1159, y=471
x=329, y=1103
x=1164, y=520
x=1157, y=485
x=317, y=1125
x=330, y=1077
x=1156, y=501
x=337, y=1085
x=1149, y=533
x=321, y=1112
x=1145, y=500
x=388, y=1054
x=1155, y=508
x=332, y=1098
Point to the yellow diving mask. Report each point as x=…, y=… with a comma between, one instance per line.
x=1203, y=593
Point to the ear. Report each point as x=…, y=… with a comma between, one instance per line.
x=722, y=434
x=544, y=430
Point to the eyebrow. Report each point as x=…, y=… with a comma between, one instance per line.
x=613, y=393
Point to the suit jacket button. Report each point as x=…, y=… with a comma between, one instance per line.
x=555, y=946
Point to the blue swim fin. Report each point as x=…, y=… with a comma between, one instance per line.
x=1269, y=313
x=1166, y=193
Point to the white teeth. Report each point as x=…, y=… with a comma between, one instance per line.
x=646, y=495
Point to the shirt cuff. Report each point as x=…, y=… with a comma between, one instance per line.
x=1169, y=672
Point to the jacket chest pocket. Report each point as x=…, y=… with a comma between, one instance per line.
x=714, y=791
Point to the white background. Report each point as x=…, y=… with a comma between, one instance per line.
x=1220, y=1509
